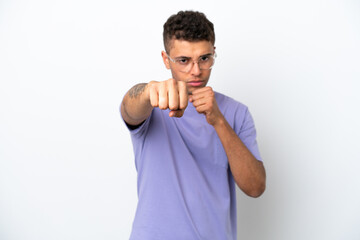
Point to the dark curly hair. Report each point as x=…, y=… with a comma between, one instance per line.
x=188, y=25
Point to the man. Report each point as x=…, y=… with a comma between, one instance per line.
x=191, y=144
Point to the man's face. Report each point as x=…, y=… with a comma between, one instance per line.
x=193, y=51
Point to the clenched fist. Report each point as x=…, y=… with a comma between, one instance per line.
x=169, y=94
x=205, y=103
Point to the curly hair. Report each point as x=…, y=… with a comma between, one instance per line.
x=188, y=25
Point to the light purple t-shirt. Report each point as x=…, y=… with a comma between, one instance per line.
x=185, y=187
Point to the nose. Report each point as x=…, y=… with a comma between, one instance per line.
x=195, y=69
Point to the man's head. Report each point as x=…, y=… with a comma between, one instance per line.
x=189, y=48
x=189, y=26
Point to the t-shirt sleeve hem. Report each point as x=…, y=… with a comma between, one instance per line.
x=138, y=130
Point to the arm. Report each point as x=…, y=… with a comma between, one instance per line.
x=140, y=100
x=249, y=173
x=136, y=107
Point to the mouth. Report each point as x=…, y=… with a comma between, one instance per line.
x=195, y=83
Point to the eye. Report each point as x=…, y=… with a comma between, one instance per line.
x=182, y=61
x=204, y=59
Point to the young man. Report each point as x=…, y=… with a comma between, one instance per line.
x=191, y=144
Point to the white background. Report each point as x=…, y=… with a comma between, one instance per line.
x=66, y=160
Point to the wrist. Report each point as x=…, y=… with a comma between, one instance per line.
x=220, y=122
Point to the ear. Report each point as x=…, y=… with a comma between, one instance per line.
x=165, y=59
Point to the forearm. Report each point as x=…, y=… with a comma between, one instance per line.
x=248, y=172
x=136, y=107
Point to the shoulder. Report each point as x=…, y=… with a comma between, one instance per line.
x=236, y=113
x=225, y=103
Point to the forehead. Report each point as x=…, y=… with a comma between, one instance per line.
x=190, y=49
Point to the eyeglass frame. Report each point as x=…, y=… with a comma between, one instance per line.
x=213, y=55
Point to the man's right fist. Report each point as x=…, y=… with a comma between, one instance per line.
x=169, y=94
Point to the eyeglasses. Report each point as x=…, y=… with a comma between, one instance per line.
x=185, y=64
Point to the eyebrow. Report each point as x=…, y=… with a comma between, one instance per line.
x=204, y=55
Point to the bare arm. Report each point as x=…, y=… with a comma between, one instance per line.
x=249, y=173
x=136, y=107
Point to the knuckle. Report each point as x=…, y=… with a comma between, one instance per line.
x=211, y=92
x=171, y=81
x=162, y=106
x=173, y=107
x=184, y=105
x=152, y=84
x=153, y=103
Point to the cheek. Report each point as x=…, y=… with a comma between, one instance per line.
x=208, y=75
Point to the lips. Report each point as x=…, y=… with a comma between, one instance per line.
x=195, y=83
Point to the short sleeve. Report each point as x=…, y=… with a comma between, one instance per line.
x=139, y=131
x=247, y=134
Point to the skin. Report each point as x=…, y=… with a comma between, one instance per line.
x=175, y=94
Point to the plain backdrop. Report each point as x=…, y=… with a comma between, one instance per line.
x=66, y=163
